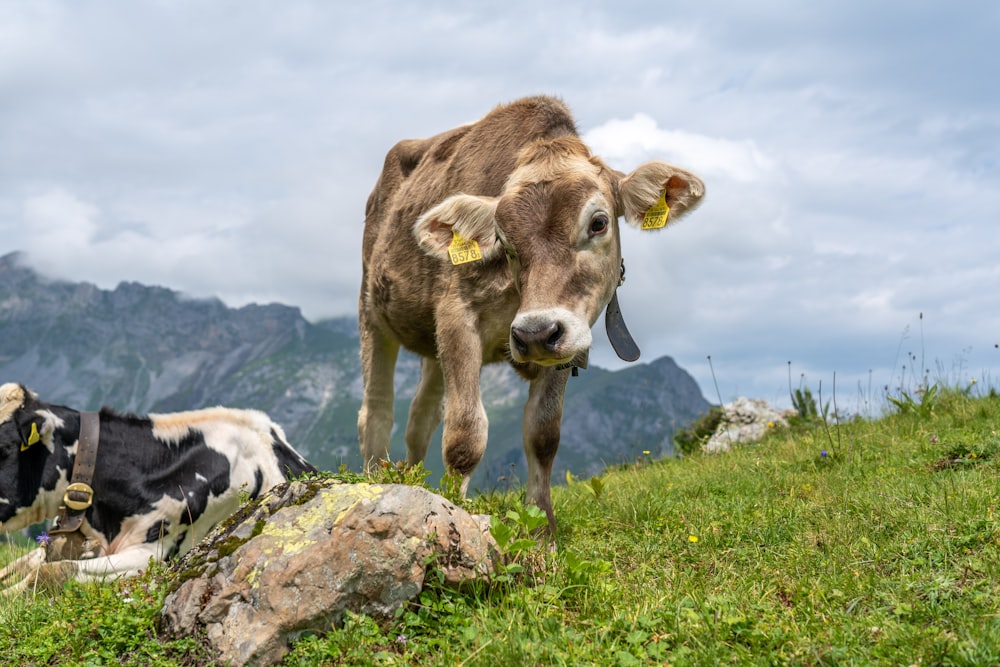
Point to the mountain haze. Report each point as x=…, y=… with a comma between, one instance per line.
x=149, y=349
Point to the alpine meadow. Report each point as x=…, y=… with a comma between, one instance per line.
x=832, y=542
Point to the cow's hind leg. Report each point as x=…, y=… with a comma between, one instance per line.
x=425, y=411
x=378, y=363
x=541, y=427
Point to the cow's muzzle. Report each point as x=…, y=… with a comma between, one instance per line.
x=548, y=337
x=537, y=343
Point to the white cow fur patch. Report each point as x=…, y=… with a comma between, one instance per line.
x=11, y=398
x=242, y=436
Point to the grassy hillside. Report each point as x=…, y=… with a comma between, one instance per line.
x=871, y=542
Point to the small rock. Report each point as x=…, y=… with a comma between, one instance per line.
x=744, y=420
x=310, y=550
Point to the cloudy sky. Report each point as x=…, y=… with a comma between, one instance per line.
x=849, y=149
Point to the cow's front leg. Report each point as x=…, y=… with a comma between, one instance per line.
x=465, y=424
x=425, y=411
x=541, y=426
x=126, y=563
x=20, y=569
x=378, y=363
x=48, y=577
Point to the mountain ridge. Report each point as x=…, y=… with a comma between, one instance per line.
x=140, y=348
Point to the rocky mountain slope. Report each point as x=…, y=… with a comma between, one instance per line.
x=149, y=349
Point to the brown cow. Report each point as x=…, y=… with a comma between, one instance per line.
x=495, y=241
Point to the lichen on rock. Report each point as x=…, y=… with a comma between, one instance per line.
x=308, y=551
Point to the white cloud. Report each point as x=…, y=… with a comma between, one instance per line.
x=56, y=219
x=629, y=142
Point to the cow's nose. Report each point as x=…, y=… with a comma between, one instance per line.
x=540, y=341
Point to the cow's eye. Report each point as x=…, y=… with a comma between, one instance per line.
x=508, y=249
x=598, y=225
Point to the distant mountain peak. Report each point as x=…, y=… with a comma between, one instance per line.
x=145, y=348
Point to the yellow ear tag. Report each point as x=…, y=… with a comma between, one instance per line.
x=656, y=216
x=463, y=250
x=33, y=437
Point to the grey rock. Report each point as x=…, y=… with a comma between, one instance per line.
x=309, y=551
x=744, y=420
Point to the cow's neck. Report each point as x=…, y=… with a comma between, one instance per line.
x=49, y=502
x=53, y=500
x=45, y=504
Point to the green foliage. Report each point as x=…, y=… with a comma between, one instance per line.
x=399, y=472
x=346, y=475
x=807, y=410
x=770, y=554
x=923, y=408
x=596, y=486
x=966, y=454
x=516, y=540
x=690, y=440
x=451, y=487
x=805, y=404
x=94, y=624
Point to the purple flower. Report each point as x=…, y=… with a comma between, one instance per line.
x=823, y=453
x=43, y=540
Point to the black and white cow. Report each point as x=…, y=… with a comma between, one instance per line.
x=161, y=481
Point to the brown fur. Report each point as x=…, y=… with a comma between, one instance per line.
x=522, y=184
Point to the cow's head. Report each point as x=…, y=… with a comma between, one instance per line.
x=26, y=445
x=557, y=223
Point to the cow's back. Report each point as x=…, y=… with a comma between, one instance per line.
x=473, y=159
x=399, y=280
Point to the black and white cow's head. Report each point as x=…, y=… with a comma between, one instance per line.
x=32, y=463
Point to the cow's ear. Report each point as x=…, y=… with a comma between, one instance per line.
x=641, y=190
x=35, y=430
x=456, y=224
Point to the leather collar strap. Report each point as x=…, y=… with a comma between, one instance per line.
x=79, y=494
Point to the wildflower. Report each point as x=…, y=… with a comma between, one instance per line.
x=823, y=453
x=692, y=538
x=43, y=540
x=401, y=639
x=934, y=439
x=645, y=452
x=770, y=424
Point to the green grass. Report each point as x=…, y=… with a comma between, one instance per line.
x=885, y=550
